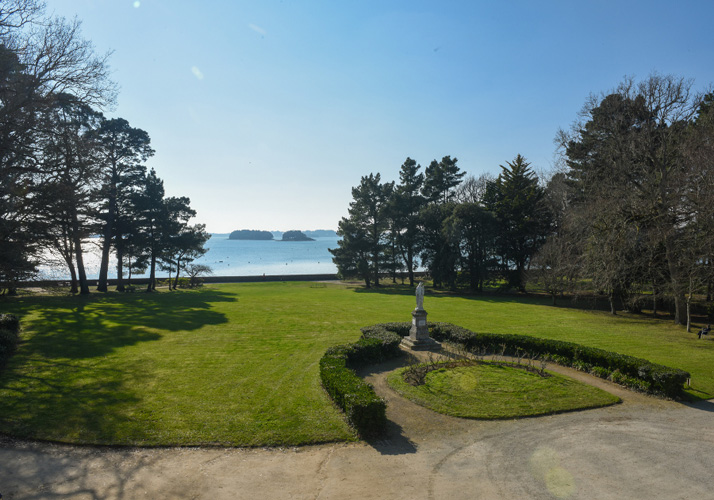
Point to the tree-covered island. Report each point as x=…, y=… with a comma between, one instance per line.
x=250, y=234
x=296, y=236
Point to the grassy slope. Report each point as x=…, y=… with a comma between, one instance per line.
x=237, y=364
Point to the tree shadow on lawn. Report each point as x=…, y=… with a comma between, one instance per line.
x=86, y=327
x=437, y=294
x=58, y=385
x=68, y=402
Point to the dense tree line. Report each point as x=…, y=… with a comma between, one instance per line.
x=629, y=216
x=635, y=203
x=66, y=171
x=458, y=228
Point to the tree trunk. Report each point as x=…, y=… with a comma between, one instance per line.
x=178, y=267
x=120, y=264
x=73, y=286
x=677, y=292
x=67, y=255
x=410, y=265
x=108, y=233
x=104, y=265
x=611, y=298
x=81, y=273
x=83, y=283
x=375, y=263
x=152, y=274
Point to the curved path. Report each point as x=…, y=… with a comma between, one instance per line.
x=642, y=448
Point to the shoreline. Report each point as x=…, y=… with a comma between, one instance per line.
x=206, y=279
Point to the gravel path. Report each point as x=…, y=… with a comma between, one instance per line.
x=643, y=448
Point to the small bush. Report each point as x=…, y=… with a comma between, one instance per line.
x=9, y=336
x=9, y=322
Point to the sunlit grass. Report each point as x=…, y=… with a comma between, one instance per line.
x=238, y=364
x=493, y=391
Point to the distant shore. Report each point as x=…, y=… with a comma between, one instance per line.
x=206, y=279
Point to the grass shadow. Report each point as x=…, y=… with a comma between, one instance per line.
x=96, y=325
x=61, y=385
x=83, y=405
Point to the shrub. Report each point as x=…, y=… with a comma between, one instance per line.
x=365, y=411
x=636, y=373
x=9, y=336
x=9, y=322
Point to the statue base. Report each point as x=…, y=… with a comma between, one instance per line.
x=418, y=339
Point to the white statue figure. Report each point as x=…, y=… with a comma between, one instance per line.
x=420, y=296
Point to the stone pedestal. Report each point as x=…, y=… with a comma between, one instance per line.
x=418, y=339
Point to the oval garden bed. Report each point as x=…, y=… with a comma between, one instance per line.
x=483, y=390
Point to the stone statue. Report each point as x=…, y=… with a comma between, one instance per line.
x=420, y=296
x=418, y=338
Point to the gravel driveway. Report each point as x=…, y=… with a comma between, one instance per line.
x=643, y=448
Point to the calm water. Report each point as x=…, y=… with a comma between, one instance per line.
x=235, y=258
x=255, y=258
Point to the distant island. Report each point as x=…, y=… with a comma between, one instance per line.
x=296, y=236
x=250, y=234
x=321, y=233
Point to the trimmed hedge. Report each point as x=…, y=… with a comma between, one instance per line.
x=9, y=336
x=365, y=411
x=636, y=373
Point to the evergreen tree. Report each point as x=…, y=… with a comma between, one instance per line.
x=473, y=229
x=517, y=201
x=122, y=151
x=439, y=249
x=405, y=205
x=441, y=178
x=360, y=252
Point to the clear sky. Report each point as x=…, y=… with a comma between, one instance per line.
x=266, y=113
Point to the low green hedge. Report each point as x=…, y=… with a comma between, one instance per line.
x=636, y=373
x=365, y=411
x=9, y=336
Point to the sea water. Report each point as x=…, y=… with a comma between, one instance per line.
x=230, y=258
x=269, y=257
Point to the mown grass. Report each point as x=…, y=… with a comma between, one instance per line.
x=491, y=391
x=238, y=364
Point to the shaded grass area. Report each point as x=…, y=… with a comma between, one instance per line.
x=237, y=364
x=234, y=365
x=491, y=391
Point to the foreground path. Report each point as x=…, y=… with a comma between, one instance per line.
x=642, y=448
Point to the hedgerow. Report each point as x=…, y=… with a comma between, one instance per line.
x=636, y=373
x=365, y=411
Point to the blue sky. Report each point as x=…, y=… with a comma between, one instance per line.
x=267, y=113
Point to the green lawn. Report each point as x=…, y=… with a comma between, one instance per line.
x=494, y=391
x=237, y=364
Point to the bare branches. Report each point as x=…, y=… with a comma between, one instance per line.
x=61, y=61
x=15, y=14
